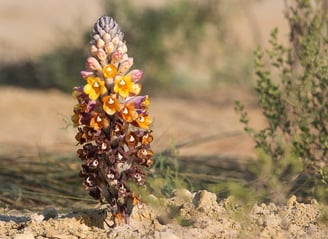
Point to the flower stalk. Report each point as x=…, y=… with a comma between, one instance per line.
x=113, y=122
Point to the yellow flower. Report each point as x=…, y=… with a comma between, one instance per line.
x=143, y=121
x=110, y=104
x=110, y=71
x=147, y=138
x=123, y=85
x=136, y=89
x=128, y=113
x=94, y=87
x=98, y=122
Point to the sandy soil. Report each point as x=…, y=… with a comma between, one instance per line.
x=185, y=215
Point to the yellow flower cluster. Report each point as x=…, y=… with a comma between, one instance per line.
x=112, y=87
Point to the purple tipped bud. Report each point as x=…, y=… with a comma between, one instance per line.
x=86, y=74
x=93, y=64
x=116, y=57
x=136, y=75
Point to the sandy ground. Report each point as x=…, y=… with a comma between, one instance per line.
x=185, y=215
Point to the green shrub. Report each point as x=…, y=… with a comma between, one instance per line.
x=292, y=91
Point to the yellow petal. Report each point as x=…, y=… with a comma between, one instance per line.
x=144, y=121
x=110, y=71
x=87, y=89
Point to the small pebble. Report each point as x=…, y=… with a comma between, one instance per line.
x=50, y=212
x=35, y=217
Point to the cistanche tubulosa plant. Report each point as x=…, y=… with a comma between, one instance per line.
x=113, y=122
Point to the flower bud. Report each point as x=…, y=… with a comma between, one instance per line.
x=93, y=50
x=122, y=48
x=116, y=57
x=106, y=37
x=109, y=47
x=102, y=56
x=93, y=64
x=86, y=74
x=116, y=41
x=139, y=102
x=125, y=65
x=100, y=43
x=136, y=75
x=125, y=56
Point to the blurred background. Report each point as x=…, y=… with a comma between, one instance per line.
x=197, y=58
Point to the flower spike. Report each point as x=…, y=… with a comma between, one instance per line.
x=113, y=122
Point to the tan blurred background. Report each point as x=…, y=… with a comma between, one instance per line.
x=31, y=28
x=34, y=120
